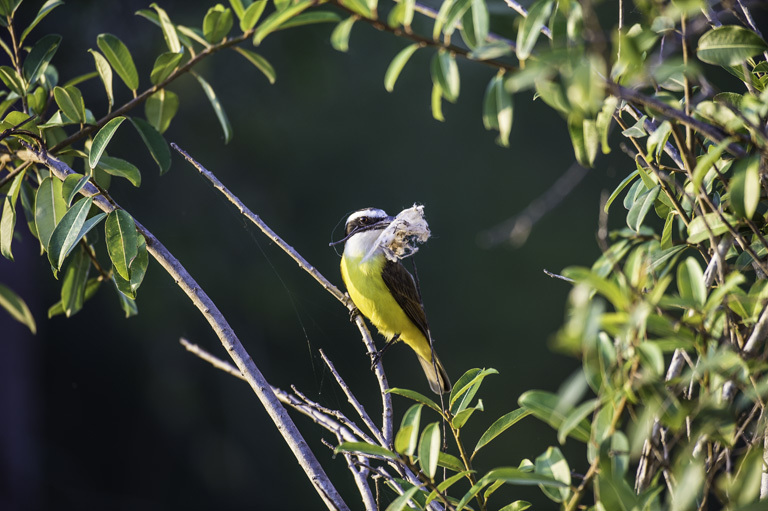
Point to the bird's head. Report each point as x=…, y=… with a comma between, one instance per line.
x=366, y=219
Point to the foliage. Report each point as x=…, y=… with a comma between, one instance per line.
x=670, y=322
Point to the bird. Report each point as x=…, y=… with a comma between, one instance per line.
x=386, y=293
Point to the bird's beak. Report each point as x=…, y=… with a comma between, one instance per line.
x=384, y=222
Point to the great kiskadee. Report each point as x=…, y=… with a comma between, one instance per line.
x=385, y=292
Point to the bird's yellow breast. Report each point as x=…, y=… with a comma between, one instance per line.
x=372, y=297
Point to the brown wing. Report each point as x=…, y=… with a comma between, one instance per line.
x=403, y=288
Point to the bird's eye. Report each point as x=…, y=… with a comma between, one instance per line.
x=365, y=220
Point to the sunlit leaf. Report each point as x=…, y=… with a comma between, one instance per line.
x=169, y=31
x=105, y=73
x=68, y=232
x=502, y=424
x=217, y=23
x=73, y=282
x=17, y=308
x=47, y=7
x=429, y=448
x=397, y=64
x=530, y=28
x=217, y=107
x=164, y=65
x=729, y=45
x=119, y=58
x=340, y=34
x=122, y=242
x=552, y=464
x=39, y=57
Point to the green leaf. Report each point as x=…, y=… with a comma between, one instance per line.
x=697, y=229
x=604, y=119
x=401, y=502
x=576, y=130
x=217, y=23
x=47, y=7
x=637, y=130
x=504, y=112
x=120, y=59
x=160, y=108
x=127, y=304
x=437, y=102
x=518, y=505
x=450, y=462
x=311, y=18
x=538, y=15
x=552, y=464
x=466, y=387
x=508, y=475
x=445, y=73
x=70, y=102
x=120, y=168
x=429, y=448
x=105, y=73
x=252, y=15
x=397, y=64
x=220, y=113
x=73, y=284
x=169, y=31
x=641, y=207
x=39, y=57
x=68, y=232
x=576, y=417
x=49, y=208
x=122, y=242
x=690, y=282
x=591, y=140
x=444, y=485
x=460, y=419
x=138, y=270
x=8, y=221
x=101, y=140
x=658, y=139
x=340, y=34
x=276, y=19
x=155, y=142
x=165, y=64
x=501, y=425
x=407, y=437
x=260, y=62
x=17, y=308
x=71, y=186
x=415, y=396
x=706, y=162
x=478, y=18
x=618, y=189
x=729, y=45
x=544, y=406
x=365, y=448
x=744, y=187
x=12, y=80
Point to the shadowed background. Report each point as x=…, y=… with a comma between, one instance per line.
x=103, y=412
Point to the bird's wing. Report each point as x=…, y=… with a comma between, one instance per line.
x=403, y=288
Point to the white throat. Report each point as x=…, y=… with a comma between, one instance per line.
x=363, y=244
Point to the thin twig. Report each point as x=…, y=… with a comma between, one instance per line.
x=353, y=400
x=378, y=369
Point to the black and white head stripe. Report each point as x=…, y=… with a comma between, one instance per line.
x=364, y=217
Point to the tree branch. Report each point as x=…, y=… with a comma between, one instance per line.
x=224, y=332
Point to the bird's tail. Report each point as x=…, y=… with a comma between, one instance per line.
x=435, y=372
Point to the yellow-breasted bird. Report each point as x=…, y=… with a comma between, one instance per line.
x=385, y=292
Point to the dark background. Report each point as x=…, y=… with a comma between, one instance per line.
x=102, y=412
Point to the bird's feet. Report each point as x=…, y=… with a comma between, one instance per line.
x=376, y=355
x=354, y=312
